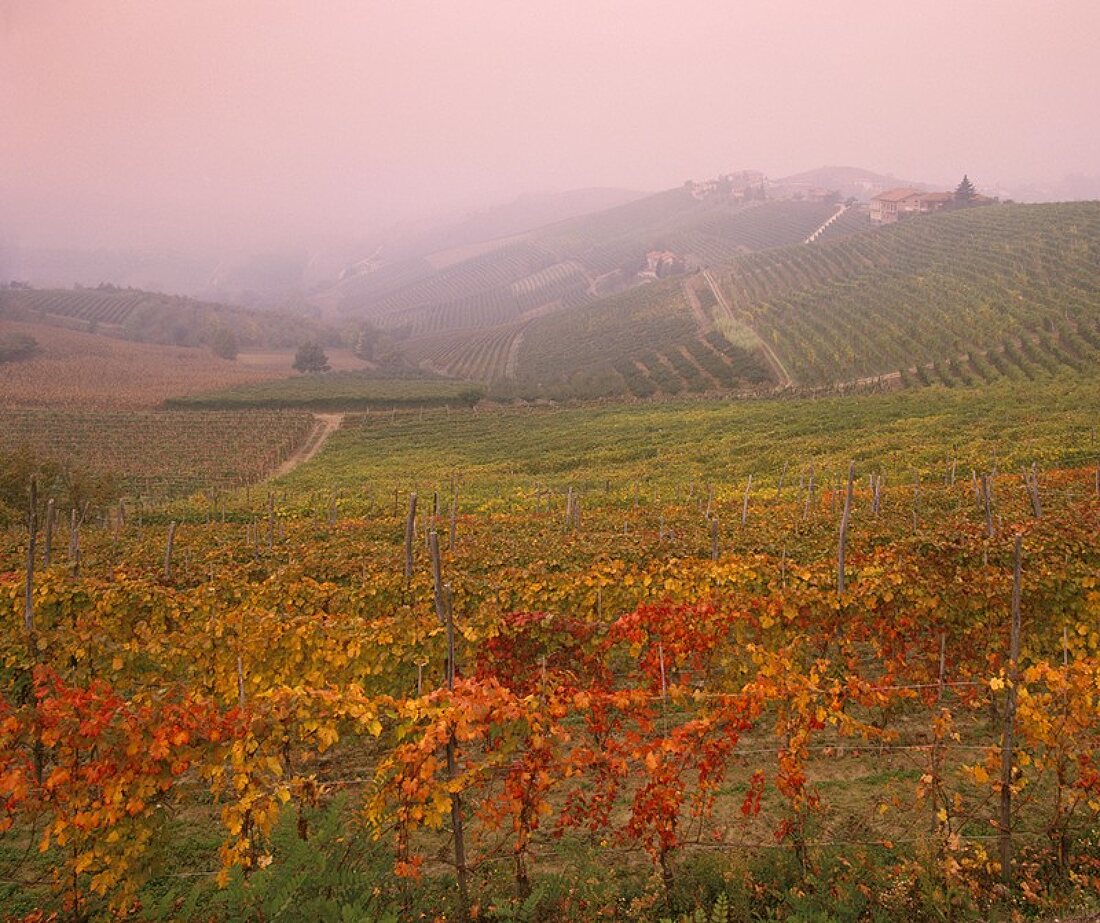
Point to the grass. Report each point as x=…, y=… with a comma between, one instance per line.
x=335, y=391
x=1005, y=425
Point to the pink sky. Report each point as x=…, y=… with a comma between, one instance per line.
x=266, y=122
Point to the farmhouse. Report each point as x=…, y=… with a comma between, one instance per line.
x=892, y=204
x=740, y=186
x=661, y=263
x=934, y=202
x=889, y=206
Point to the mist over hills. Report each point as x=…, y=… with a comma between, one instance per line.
x=281, y=278
x=277, y=278
x=286, y=278
x=854, y=182
x=737, y=283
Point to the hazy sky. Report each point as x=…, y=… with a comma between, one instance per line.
x=267, y=122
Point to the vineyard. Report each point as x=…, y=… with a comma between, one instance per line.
x=767, y=225
x=348, y=390
x=481, y=275
x=584, y=679
x=852, y=221
x=669, y=444
x=490, y=316
x=479, y=355
x=958, y=299
x=158, y=453
x=643, y=342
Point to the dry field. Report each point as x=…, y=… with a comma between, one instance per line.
x=82, y=370
x=279, y=363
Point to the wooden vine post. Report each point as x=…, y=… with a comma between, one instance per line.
x=32, y=540
x=444, y=610
x=38, y=752
x=1009, y=725
x=745, y=505
x=987, y=500
x=410, y=534
x=47, y=549
x=842, y=541
x=168, y=546
x=74, y=543
x=1031, y=484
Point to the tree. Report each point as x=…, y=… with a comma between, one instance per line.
x=964, y=192
x=16, y=346
x=471, y=395
x=311, y=358
x=223, y=342
x=365, y=342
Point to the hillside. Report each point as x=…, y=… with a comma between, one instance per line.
x=153, y=317
x=566, y=263
x=848, y=181
x=519, y=216
x=958, y=298
x=511, y=311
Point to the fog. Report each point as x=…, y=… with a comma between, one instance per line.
x=207, y=124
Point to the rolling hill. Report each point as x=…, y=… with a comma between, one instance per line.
x=958, y=298
x=848, y=181
x=497, y=311
x=961, y=297
x=153, y=317
x=759, y=295
x=571, y=261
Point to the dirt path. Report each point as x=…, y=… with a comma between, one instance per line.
x=785, y=380
x=327, y=424
x=702, y=319
x=512, y=358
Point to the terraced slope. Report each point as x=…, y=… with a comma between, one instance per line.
x=1010, y=291
x=643, y=342
x=564, y=265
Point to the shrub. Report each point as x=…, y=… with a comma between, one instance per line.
x=16, y=346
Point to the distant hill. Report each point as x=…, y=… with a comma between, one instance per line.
x=64, y=268
x=569, y=263
x=1068, y=189
x=850, y=182
x=524, y=214
x=152, y=317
